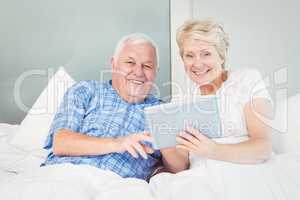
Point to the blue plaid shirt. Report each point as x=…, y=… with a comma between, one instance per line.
x=96, y=109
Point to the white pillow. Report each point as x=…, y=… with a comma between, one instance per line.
x=34, y=128
x=289, y=140
x=7, y=131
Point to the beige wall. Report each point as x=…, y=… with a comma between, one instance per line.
x=264, y=34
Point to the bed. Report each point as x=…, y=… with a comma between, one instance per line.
x=21, y=176
x=279, y=178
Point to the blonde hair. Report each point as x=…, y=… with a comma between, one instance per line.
x=208, y=31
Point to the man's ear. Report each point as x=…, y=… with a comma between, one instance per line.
x=112, y=62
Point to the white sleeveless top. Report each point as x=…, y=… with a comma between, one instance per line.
x=241, y=86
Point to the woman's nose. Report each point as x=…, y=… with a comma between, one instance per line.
x=198, y=62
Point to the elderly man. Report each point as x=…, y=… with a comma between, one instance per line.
x=102, y=124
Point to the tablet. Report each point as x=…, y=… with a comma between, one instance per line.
x=165, y=121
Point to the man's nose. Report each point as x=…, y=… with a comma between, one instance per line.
x=138, y=70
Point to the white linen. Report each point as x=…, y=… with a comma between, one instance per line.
x=216, y=180
x=18, y=160
x=286, y=127
x=68, y=181
x=7, y=131
x=208, y=179
x=12, y=159
x=21, y=177
x=35, y=126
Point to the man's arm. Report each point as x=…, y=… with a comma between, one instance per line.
x=175, y=160
x=68, y=143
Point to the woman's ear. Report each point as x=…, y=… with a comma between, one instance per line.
x=180, y=53
x=222, y=62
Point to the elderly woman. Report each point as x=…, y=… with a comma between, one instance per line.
x=244, y=101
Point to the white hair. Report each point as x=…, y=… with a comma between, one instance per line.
x=137, y=38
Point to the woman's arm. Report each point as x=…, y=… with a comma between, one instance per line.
x=259, y=147
x=255, y=150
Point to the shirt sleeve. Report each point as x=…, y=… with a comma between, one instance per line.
x=254, y=87
x=71, y=111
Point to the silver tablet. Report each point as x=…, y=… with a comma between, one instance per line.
x=165, y=121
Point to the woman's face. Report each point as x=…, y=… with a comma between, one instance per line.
x=202, y=61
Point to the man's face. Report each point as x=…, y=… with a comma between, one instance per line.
x=134, y=70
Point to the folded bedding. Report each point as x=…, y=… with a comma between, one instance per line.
x=278, y=178
x=14, y=160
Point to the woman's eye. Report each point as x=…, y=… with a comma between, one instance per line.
x=207, y=54
x=188, y=55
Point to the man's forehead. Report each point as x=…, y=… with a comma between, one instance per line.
x=138, y=45
x=134, y=58
x=134, y=50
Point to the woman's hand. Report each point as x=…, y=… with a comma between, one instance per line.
x=194, y=141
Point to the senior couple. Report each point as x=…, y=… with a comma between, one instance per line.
x=102, y=124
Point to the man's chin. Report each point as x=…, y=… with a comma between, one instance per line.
x=137, y=97
x=138, y=91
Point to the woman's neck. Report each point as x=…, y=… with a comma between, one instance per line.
x=214, y=85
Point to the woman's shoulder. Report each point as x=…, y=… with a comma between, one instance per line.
x=244, y=78
x=242, y=74
x=248, y=83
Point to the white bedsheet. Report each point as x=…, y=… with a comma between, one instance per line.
x=7, y=131
x=68, y=181
x=279, y=179
x=14, y=160
x=22, y=178
x=212, y=180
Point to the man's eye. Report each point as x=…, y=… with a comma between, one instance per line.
x=148, y=66
x=207, y=54
x=130, y=62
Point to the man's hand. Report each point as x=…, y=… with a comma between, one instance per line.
x=132, y=145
